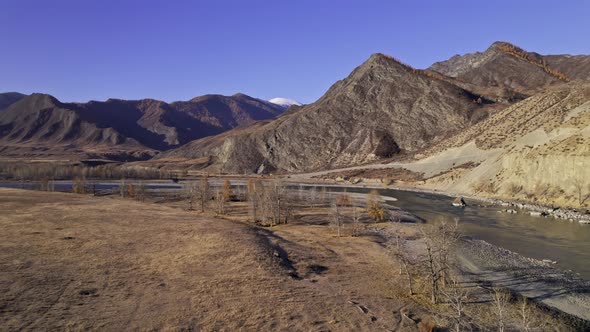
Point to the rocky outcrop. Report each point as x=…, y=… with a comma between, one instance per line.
x=459, y=202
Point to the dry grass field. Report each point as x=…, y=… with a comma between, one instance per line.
x=72, y=262
x=78, y=262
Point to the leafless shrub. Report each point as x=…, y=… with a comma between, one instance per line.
x=374, y=208
x=513, y=189
x=226, y=191
x=131, y=190
x=483, y=186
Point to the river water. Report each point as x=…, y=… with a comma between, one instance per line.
x=566, y=242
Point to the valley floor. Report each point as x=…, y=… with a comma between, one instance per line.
x=79, y=262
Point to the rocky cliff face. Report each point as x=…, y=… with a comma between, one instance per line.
x=537, y=149
x=383, y=107
x=42, y=123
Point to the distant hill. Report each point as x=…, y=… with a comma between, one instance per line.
x=9, y=98
x=383, y=108
x=41, y=126
x=509, y=73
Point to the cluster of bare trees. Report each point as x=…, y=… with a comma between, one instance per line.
x=268, y=202
x=433, y=271
x=54, y=171
x=198, y=194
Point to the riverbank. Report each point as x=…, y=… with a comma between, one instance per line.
x=491, y=266
x=534, y=209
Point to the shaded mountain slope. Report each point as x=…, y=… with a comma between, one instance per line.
x=381, y=109
x=42, y=123
x=9, y=98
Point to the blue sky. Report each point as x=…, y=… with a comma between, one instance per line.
x=80, y=50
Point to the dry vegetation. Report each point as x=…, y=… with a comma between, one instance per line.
x=219, y=256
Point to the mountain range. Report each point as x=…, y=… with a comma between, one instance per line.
x=494, y=116
x=385, y=109
x=40, y=126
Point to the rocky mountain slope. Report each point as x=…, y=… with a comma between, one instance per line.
x=383, y=108
x=507, y=72
x=41, y=126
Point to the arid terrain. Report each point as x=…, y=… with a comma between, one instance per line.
x=79, y=262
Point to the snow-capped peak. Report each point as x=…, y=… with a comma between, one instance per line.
x=284, y=102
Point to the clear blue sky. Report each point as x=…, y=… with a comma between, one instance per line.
x=78, y=50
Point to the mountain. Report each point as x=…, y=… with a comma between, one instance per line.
x=509, y=73
x=39, y=125
x=383, y=108
x=284, y=102
x=9, y=98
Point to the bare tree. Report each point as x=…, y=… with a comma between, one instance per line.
x=277, y=195
x=525, y=314
x=204, y=192
x=192, y=191
x=79, y=185
x=501, y=299
x=439, y=239
x=336, y=216
x=356, y=220
x=141, y=191
x=579, y=189
x=219, y=200
x=122, y=188
x=313, y=196
x=322, y=195
x=399, y=252
x=456, y=297
x=254, y=198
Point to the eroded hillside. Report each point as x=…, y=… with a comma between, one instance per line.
x=381, y=109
